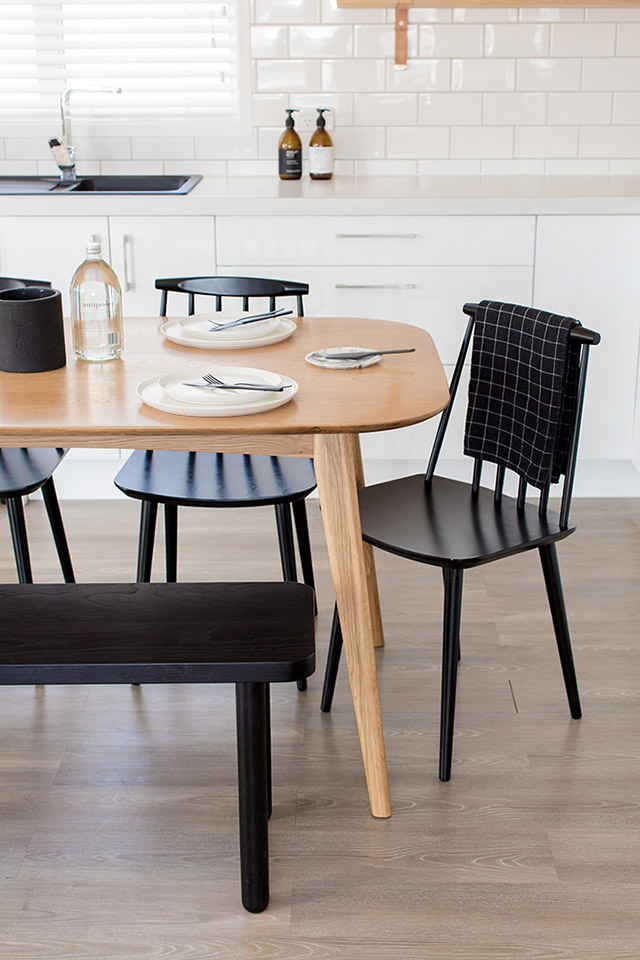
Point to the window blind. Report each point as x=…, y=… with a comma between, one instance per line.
x=172, y=60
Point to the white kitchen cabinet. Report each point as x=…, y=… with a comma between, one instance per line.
x=145, y=248
x=587, y=267
x=49, y=248
x=385, y=241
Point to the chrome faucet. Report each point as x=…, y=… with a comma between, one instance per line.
x=64, y=153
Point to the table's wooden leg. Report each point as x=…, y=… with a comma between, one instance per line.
x=336, y=461
x=370, y=564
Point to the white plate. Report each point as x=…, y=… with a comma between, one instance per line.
x=199, y=327
x=318, y=359
x=174, y=386
x=174, y=332
x=151, y=393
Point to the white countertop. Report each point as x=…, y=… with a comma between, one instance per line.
x=364, y=196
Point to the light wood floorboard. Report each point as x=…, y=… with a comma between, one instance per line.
x=118, y=832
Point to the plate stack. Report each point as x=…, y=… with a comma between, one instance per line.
x=201, y=331
x=186, y=393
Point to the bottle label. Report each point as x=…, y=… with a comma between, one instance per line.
x=289, y=161
x=320, y=159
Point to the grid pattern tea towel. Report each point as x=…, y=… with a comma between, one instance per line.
x=522, y=392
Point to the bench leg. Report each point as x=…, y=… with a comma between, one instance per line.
x=253, y=775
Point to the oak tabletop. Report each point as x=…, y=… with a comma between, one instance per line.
x=95, y=404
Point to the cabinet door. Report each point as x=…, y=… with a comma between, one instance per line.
x=587, y=267
x=49, y=248
x=145, y=248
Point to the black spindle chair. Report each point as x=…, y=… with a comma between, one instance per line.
x=456, y=525
x=23, y=471
x=176, y=478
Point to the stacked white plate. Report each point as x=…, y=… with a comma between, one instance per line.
x=174, y=393
x=201, y=331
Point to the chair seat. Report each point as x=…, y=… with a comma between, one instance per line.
x=156, y=633
x=23, y=470
x=215, y=479
x=445, y=525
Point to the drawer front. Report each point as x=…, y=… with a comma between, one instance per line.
x=427, y=297
x=440, y=241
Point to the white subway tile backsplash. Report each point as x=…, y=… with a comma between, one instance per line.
x=381, y=41
x=423, y=75
x=514, y=108
x=628, y=40
x=476, y=74
x=169, y=148
x=417, y=143
x=611, y=73
x=521, y=91
x=385, y=109
x=355, y=75
x=513, y=168
x=269, y=41
x=386, y=168
x=626, y=107
x=610, y=141
x=580, y=108
x=452, y=40
x=516, y=40
x=550, y=73
x=583, y=40
x=449, y=108
x=287, y=76
x=546, y=142
x=328, y=40
x=287, y=11
x=481, y=142
x=360, y=143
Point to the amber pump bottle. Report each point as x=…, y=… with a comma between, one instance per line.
x=290, y=151
x=321, y=150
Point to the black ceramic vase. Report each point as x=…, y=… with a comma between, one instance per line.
x=31, y=330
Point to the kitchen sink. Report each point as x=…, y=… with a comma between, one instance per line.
x=99, y=184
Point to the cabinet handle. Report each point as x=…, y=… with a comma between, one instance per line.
x=376, y=286
x=377, y=236
x=125, y=251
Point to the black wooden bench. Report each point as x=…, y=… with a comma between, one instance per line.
x=250, y=634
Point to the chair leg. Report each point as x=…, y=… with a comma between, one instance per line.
x=287, y=552
x=299, y=508
x=333, y=663
x=171, y=541
x=450, y=649
x=444, y=581
x=251, y=726
x=18, y=527
x=148, y=515
x=57, y=529
x=553, y=583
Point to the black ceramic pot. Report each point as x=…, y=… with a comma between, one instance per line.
x=31, y=330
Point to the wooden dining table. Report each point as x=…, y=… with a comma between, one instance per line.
x=96, y=405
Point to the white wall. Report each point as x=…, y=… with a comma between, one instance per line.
x=513, y=91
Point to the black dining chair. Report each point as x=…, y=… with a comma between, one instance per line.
x=187, y=479
x=25, y=470
x=456, y=525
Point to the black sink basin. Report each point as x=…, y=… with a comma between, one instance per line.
x=137, y=184
x=100, y=184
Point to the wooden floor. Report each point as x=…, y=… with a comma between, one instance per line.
x=118, y=813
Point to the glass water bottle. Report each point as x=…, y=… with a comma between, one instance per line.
x=96, y=308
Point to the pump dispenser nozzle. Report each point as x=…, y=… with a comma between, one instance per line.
x=321, y=122
x=289, y=121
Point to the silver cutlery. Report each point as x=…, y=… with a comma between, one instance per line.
x=212, y=382
x=361, y=354
x=241, y=321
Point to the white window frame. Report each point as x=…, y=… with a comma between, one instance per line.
x=104, y=126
